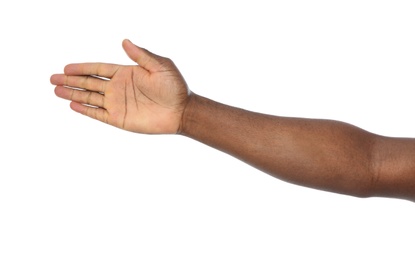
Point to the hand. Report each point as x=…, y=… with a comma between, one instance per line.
x=147, y=98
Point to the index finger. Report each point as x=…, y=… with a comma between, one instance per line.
x=98, y=69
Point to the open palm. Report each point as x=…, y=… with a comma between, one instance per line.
x=147, y=98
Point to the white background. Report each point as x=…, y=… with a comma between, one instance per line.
x=74, y=188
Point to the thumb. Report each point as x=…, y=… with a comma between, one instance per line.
x=141, y=56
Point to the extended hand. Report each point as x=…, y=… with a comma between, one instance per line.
x=147, y=98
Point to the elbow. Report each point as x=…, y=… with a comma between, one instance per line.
x=391, y=169
x=367, y=178
x=372, y=172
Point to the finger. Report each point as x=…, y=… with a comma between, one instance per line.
x=99, y=69
x=80, y=96
x=142, y=57
x=93, y=112
x=84, y=82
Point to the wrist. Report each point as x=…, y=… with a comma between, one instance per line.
x=197, y=116
x=188, y=111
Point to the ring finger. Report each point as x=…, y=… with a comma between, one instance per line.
x=81, y=96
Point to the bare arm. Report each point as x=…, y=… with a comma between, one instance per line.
x=322, y=154
x=153, y=98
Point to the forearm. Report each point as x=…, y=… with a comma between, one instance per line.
x=321, y=154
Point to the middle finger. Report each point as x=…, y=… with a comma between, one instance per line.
x=83, y=82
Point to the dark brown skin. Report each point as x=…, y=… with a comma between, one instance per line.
x=153, y=98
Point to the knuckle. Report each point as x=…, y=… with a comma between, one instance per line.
x=165, y=62
x=88, y=98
